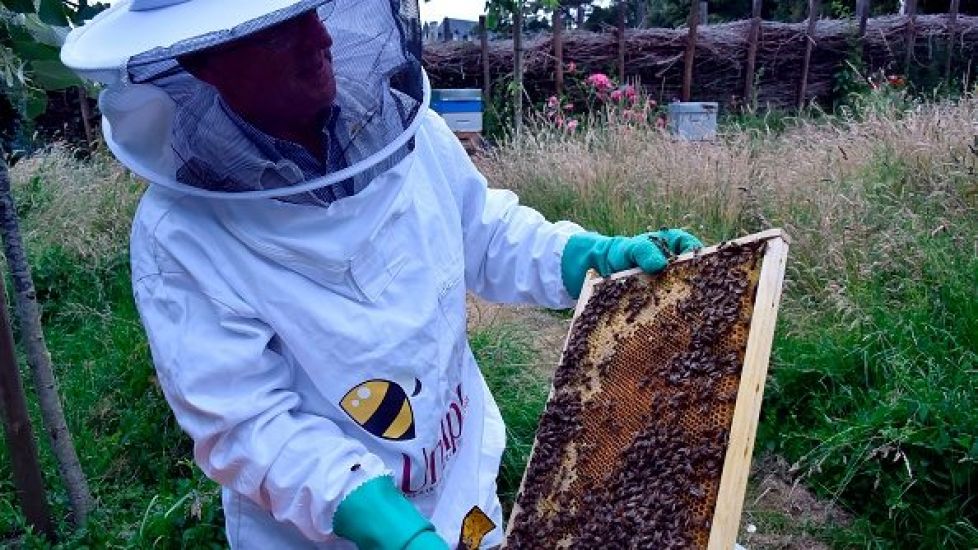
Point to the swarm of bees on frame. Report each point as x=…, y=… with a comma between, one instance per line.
x=631, y=446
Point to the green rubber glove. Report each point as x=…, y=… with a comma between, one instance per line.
x=377, y=516
x=610, y=255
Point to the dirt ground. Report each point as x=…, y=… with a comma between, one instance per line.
x=779, y=512
x=548, y=329
x=782, y=513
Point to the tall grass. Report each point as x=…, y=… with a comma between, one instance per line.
x=874, y=386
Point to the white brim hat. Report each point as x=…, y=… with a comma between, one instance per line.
x=152, y=30
x=174, y=130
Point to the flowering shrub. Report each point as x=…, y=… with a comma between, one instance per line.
x=557, y=112
x=600, y=82
x=881, y=93
x=605, y=100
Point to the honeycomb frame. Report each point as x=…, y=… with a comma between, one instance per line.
x=648, y=432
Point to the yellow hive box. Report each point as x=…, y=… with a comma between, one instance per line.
x=648, y=433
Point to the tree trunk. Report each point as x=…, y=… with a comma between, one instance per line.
x=753, y=39
x=814, y=12
x=486, y=74
x=28, y=482
x=518, y=67
x=558, y=23
x=952, y=28
x=621, y=41
x=641, y=14
x=86, y=116
x=690, y=58
x=32, y=335
x=862, y=13
x=910, y=7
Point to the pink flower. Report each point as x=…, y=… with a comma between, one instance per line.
x=628, y=114
x=600, y=82
x=552, y=102
x=569, y=107
x=630, y=93
x=571, y=125
x=617, y=95
x=572, y=67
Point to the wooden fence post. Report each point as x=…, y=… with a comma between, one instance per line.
x=753, y=40
x=621, y=41
x=86, y=115
x=911, y=41
x=952, y=27
x=518, y=68
x=694, y=21
x=558, y=24
x=862, y=14
x=28, y=482
x=814, y=11
x=486, y=76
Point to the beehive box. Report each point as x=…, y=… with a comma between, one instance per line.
x=647, y=436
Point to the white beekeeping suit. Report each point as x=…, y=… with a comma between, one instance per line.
x=309, y=346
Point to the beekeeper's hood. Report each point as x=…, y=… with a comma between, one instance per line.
x=156, y=115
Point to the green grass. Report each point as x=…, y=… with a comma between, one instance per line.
x=521, y=392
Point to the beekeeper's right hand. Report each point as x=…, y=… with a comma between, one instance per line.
x=377, y=516
x=609, y=255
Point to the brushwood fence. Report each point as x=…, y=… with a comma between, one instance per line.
x=730, y=62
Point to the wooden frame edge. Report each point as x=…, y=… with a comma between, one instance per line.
x=743, y=428
x=587, y=290
x=769, y=235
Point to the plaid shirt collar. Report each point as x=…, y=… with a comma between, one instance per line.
x=277, y=150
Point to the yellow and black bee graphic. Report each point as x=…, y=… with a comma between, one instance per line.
x=382, y=408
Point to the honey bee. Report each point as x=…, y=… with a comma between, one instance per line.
x=382, y=408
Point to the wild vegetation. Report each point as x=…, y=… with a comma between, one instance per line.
x=871, y=396
x=872, y=387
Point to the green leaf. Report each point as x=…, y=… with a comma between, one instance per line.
x=53, y=75
x=18, y=6
x=36, y=104
x=86, y=12
x=52, y=12
x=29, y=50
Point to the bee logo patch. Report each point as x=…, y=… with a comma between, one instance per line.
x=382, y=408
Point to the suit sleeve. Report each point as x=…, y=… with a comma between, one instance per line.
x=512, y=253
x=229, y=390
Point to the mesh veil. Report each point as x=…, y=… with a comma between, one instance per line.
x=381, y=92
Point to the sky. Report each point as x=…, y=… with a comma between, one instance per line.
x=436, y=10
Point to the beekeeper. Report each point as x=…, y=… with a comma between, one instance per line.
x=302, y=259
